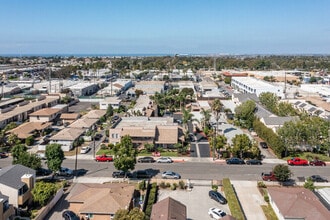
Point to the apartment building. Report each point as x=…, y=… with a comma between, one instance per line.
x=17, y=182
x=161, y=131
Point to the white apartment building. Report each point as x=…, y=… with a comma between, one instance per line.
x=256, y=86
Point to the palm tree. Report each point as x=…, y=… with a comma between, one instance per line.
x=186, y=116
x=206, y=117
x=217, y=107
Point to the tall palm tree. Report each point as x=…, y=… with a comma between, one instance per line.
x=216, y=108
x=206, y=117
x=186, y=116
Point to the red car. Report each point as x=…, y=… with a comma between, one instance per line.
x=296, y=161
x=317, y=163
x=104, y=158
x=268, y=176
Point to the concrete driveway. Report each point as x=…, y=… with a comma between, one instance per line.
x=250, y=199
x=197, y=201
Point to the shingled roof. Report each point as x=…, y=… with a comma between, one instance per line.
x=168, y=209
x=101, y=198
x=11, y=175
x=298, y=203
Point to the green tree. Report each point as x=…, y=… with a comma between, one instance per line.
x=55, y=156
x=13, y=139
x=206, y=117
x=309, y=184
x=282, y=172
x=241, y=144
x=270, y=101
x=28, y=160
x=220, y=142
x=29, y=140
x=43, y=191
x=245, y=113
x=17, y=151
x=125, y=154
x=109, y=112
x=134, y=214
x=186, y=116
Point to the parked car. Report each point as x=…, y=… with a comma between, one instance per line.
x=263, y=145
x=268, y=176
x=64, y=172
x=43, y=172
x=318, y=178
x=3, y=155
x=216, y=213
x=317, y=163
x=97, y=137
x=85, y=149
x=253, y=162
x=141, y=174
x=104, y=158
x=70, y=215
x=42, y=156
x=170, y=175
x=164, y=160
x=217, y=197
x=146, y=160
x=235, y=160
x=296, y=161
x=121, y=174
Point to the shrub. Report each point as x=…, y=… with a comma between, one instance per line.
x=162, y=185
x=174, y=186
x=168, y=185
x=142, y=185
x=261, y=184
x=266, y=197
x=215, y=187
x=182, y=185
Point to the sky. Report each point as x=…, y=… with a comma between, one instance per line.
x=164, y=27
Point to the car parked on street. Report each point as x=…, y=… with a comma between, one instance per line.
x=146, y=160
x=253, y=162
x=296, y=161
x=235, y=160
x=318, y=178
x=104, y=158
x=3, y=155
x=141, y=174
x=317, y=163
x=263, y=145
x=85, y=149
x=216, y=213
x=170, y=175
x=64, y=172
x=69, y=215
x=215, y=195
x=121, y=174
x=268, y=176
x=43, y=172
x=164, y=160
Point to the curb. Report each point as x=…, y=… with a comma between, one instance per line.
x=179, y=161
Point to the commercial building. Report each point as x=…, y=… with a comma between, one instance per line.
x=160, y=131
x=84, y=89
x=256, y=86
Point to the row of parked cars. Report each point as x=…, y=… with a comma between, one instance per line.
x=272, y=177
x=235, y=160
x=144, y=174
x=296, y=161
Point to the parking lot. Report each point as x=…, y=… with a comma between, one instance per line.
x=197, y=201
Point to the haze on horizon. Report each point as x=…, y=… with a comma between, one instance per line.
x=165, y=27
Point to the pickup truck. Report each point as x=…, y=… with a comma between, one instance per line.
x=268, y=176
x=104, y=158
x=296, y=161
